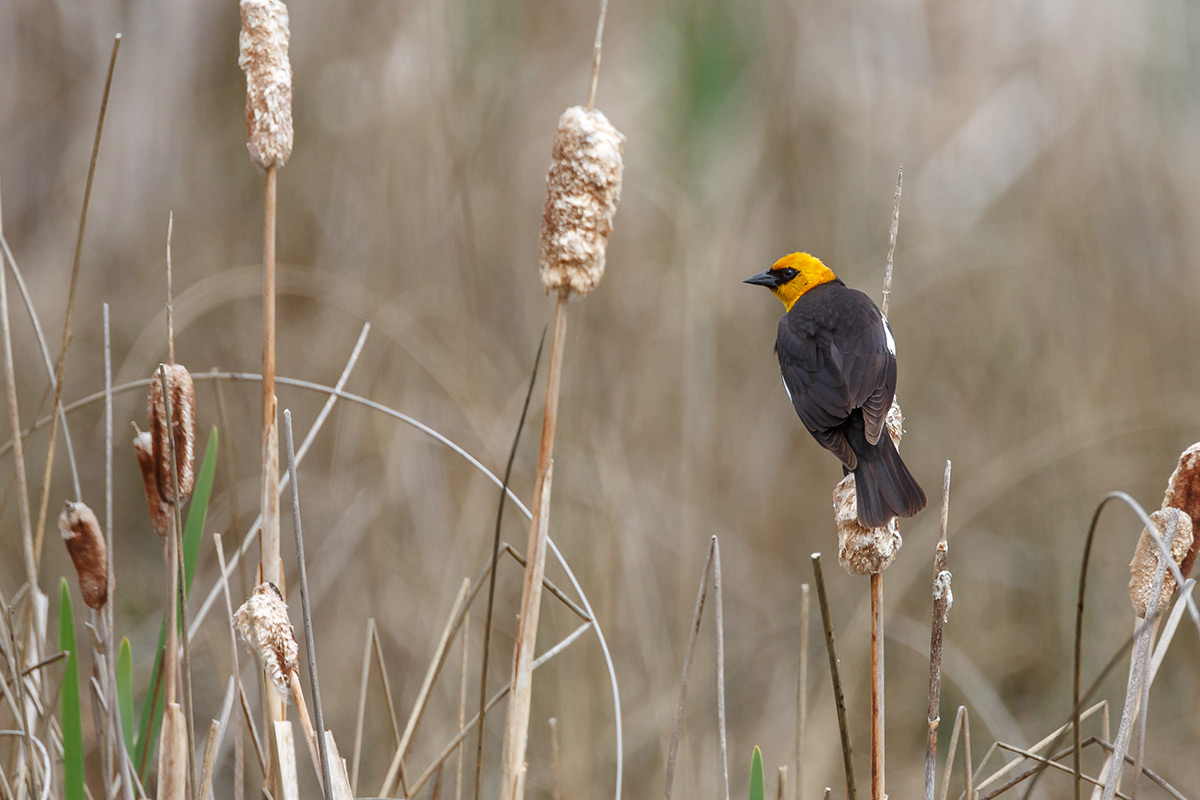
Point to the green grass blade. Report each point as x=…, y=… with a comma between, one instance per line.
x=758, y=789
x=193, y=528
x=193, y=534
x=72, y=721
x=125, y=692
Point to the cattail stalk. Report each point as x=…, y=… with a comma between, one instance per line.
x=583, y=187
x=263, y=56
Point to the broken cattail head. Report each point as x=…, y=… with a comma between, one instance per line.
x=1183, y=492
x=85, y=543
x=263, y=624
x=1174, y=527
x=182, y=427
x=583, y=187
x=863, y=550
x=160, y=511
x=263, y=56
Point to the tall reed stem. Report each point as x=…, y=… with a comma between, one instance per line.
x=517, y=731
x=877, y=715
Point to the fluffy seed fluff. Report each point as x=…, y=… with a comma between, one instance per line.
x=182, y=427
x=262, y=621
x=863, y=550
x=263, y=56
x=1166, y=521
x=85, y=543
x=583, y=188
x=1183, y=492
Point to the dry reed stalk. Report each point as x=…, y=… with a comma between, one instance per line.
x=556, y=790
x=801, y=695
x=943, y=598
x=453, y=744
x=457, y=614
x=306, y=610
x=677, y=725
x=835, y=674
x=263, y=56
x=583, y=187
x=18, y=444
x=60, y=365
x=285, y=755
x=173, y=755
x=517, y=727
x=781, y=781
x=210, y=757
x=877, y=709
x=89, y=553
x=464, y=641
x=491, y=595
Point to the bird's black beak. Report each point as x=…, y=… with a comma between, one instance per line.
x=767, y=278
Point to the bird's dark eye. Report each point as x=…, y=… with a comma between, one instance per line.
x=787, y=274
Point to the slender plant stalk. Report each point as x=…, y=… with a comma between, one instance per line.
x=491, y=596
x=892, y=233
x=270, y=564
x=310, y=644
x=596, y=50
x=941, y=589
x=877, y=711
x=517, y=731
x=557, y=790
x=877, y=704
x=677, y=726
x=801, y=694
x=60, y=367
x=18, y=446
x=719, y=609
x=838, y=697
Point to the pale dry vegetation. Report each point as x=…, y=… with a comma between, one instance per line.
x=1044, y=310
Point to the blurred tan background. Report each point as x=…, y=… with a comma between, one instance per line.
x=1044, y=307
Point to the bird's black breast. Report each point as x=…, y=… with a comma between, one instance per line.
x=833, y=353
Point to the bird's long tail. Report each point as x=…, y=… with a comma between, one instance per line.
x=884, y=486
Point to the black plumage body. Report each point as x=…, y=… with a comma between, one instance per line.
x=839, y=368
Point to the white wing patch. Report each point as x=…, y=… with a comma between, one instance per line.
x=785, y=386
x=887, y=329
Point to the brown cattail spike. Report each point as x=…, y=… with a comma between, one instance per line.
x=583, y=187
x=263, y=56
x=160, y=511
x=863, y=550
x=81, y=533
x=182, y=427
x=1183, y=492
x=263, y=624
x=1145, y=558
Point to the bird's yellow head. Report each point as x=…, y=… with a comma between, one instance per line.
x=792, y=276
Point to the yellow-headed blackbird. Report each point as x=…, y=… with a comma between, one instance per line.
x=838, y=361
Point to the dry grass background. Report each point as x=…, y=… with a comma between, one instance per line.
x=1044, y=308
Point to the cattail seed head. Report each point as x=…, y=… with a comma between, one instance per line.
x=85, y=543
x=263, y=624
x=182, y=427
x=1145, y=558
x=583, y=187
x=263, y=56
x=160, y=511
x=863, y=550
x=1183, y=492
